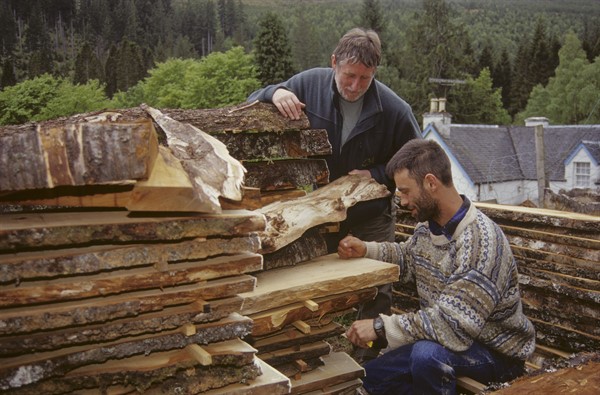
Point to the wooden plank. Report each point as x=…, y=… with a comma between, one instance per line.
x=578, y=375
x=74, y=152
x=257, y=117
x=556, y=248
x=253, y=199
x=168, y=319
x=269, y=321
x=212, y=171
x=339, y=367
x=544, y=217
x=556, y=262
x=468, y=384
x=104, y=284
x=270, y=382
x=87, y=312
x=551, y=237
x=309, y=245
x=199, y=354
x=28, y=369
x=287, y=221
x=289, y=337
x=148, y=374
x=291, y=354
x=168, y=178
x=317, y=278
x=263, y=145
x=286, y=173
x=90, y=260
x=22, y=231
x=345, y=388
x=66, y=197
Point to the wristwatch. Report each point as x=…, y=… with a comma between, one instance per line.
x=379, y=328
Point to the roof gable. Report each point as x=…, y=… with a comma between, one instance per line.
x=491, y=153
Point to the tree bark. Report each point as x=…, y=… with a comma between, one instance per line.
x=23, y=232
x=76, y=152
x=287, y=221
x=20, y=371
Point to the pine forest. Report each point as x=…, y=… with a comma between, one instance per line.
x=508, y=59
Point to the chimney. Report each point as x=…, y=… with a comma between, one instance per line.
x=534, y=121
x=437, y=115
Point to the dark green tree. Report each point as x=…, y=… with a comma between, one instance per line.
x=87, y=66
x=8, y=74
x=486, y=58
x=436, y=48
x=8, y=29
x=572, y=95
x=543, y=60
x=591, y=39
x=305, y=43
x=521, y=79
x=501, y=77
x=124, y=67
x=372, y=16
x=272, y=51
x=477, y=102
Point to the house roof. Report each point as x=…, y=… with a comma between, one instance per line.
x=506, y=153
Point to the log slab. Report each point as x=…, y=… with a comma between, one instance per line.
x=35, y=231
x=56, y=153
x=320, y=277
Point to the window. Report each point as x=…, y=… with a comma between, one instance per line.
x=582, y=174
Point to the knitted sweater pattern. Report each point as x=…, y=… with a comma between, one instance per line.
x=467, y=286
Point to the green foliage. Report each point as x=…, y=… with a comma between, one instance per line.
x=221, y=79
x=272, y=51
x=572, y=96
x=23, y=102
x=46, y=97
x=218, y=80
x=421, y=39
x=372, y=16
x=72, y=99
x=477, y=102
x=87, y=66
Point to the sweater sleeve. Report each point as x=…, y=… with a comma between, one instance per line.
x=456, y=307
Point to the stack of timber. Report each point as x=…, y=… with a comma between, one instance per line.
x=301, y=288
x=133, y=253
x=119, y=271
x=558, y=255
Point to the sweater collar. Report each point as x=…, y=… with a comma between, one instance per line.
x=449, y=229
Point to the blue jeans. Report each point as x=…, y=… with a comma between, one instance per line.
x=426, y=367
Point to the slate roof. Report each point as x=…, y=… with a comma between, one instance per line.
x=507, y=153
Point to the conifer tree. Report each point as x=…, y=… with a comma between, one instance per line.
x=372, y=16
x=272, y=51
x=573, y=94
x=8, y=74
x=87, y=66
x=501, y=76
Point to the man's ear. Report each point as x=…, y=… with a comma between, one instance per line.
x=431, y=182
x=333, y=61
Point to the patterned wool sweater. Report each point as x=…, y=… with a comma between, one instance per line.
x=467, y=286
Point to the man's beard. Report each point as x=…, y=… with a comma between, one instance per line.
x=426, y=207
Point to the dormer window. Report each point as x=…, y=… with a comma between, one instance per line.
x=582, y=174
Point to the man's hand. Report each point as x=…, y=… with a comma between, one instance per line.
x=287, y=103
x=362, y=173
x=351, y=247
x=361, y=333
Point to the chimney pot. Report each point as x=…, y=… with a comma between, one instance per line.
x=433, y=105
